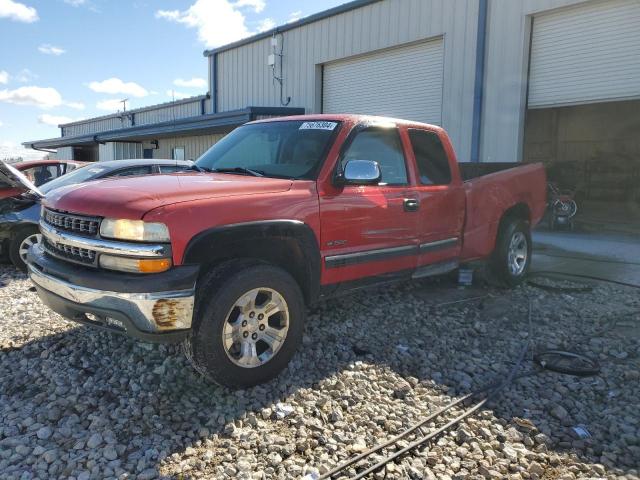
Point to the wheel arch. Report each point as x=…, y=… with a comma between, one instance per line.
x=518, y=211
x=289, y=244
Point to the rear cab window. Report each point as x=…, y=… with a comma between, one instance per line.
x=431, y=158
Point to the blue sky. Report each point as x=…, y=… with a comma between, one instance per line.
x=63, y=60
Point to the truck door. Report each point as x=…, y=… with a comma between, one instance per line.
x=441, y=197
x=372, y=230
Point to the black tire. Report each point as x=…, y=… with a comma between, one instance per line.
x=500, y=259
x=16, y=243
x=216, y=295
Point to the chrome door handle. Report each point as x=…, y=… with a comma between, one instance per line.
x=411, y=205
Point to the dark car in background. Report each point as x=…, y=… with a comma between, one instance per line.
x=20, y=214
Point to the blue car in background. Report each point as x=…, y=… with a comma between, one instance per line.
x=19, y=215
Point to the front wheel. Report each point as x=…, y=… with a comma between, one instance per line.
x=511, y=259
x=248, y=323
x=21, y=244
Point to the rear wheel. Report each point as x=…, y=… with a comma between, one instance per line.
x=511, y=259
x=248, y=323
x=20, y=245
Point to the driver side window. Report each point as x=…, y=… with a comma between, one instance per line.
x=381, y=145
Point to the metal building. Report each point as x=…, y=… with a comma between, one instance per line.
x=510, y=80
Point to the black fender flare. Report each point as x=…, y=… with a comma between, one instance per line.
x=289, y=244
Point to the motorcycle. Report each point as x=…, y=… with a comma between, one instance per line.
x=562, y=207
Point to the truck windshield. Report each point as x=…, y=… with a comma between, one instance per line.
x=281, y=149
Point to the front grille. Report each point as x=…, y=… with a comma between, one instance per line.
x=82, y=225
x=73, y=254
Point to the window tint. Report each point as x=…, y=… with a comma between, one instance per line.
x=42, y=174
x=127, y=172
x=380, y=145
x=432, y=160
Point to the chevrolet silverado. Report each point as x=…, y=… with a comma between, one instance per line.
x=282, y=212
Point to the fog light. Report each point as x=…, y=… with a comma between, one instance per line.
x=135, y=265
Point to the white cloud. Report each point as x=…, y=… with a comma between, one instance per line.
x=193, y=83
x=42, y=97
x=17, y=11
x=1, y=123
x=266, y=24
x=53, y=120
x=75, y=3
x=4, y=77
x=172, y=94
x=48, y=49
x=257, y=5
x=217, y=21
x=110, y=105
x=115, y=86
x=9, y=149
x=295, y=16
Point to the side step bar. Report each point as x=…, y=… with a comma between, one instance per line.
x=436, y=269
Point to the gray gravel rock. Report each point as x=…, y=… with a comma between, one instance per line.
x=76, y=403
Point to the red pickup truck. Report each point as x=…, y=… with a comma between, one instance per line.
x=283, y=212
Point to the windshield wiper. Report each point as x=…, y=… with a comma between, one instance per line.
x=241, y=170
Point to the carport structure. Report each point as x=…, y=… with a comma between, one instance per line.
x=179, y=139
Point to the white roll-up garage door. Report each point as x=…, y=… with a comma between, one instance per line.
x=585, y=54
x=403, y=82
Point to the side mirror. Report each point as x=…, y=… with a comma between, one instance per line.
x=361, y=172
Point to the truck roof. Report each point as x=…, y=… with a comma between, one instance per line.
x=348, y=117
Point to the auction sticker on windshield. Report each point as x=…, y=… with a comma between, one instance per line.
x=318, y=126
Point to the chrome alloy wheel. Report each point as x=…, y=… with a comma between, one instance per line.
x=255, y=328
x=27, y=243
x=518, y=253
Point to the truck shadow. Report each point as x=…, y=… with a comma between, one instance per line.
x=148, y=404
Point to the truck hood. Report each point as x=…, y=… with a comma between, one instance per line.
x=133, y=197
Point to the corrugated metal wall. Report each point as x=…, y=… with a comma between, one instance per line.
x=245, y=79
x=64, y=153
x=119, y=151
x=509, y=30
x=194, y=146
x=161, y=113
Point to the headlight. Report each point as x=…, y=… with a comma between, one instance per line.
x=136, y=230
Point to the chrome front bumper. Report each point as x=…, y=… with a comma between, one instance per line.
x=144, y=313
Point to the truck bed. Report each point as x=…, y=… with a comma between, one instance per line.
x=490, y=190
x=469, y=171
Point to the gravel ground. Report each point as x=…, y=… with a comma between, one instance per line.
x=76, y=403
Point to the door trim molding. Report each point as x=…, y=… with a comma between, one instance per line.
x=345, y=259
x=438, y=245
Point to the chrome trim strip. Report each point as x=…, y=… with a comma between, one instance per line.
x=141, y=308
x=438, y=245
x=343, y=260
x=369, y=256
x=105, y=246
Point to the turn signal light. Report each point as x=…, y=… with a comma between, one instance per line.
x=156, y=265
x=135, y=265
